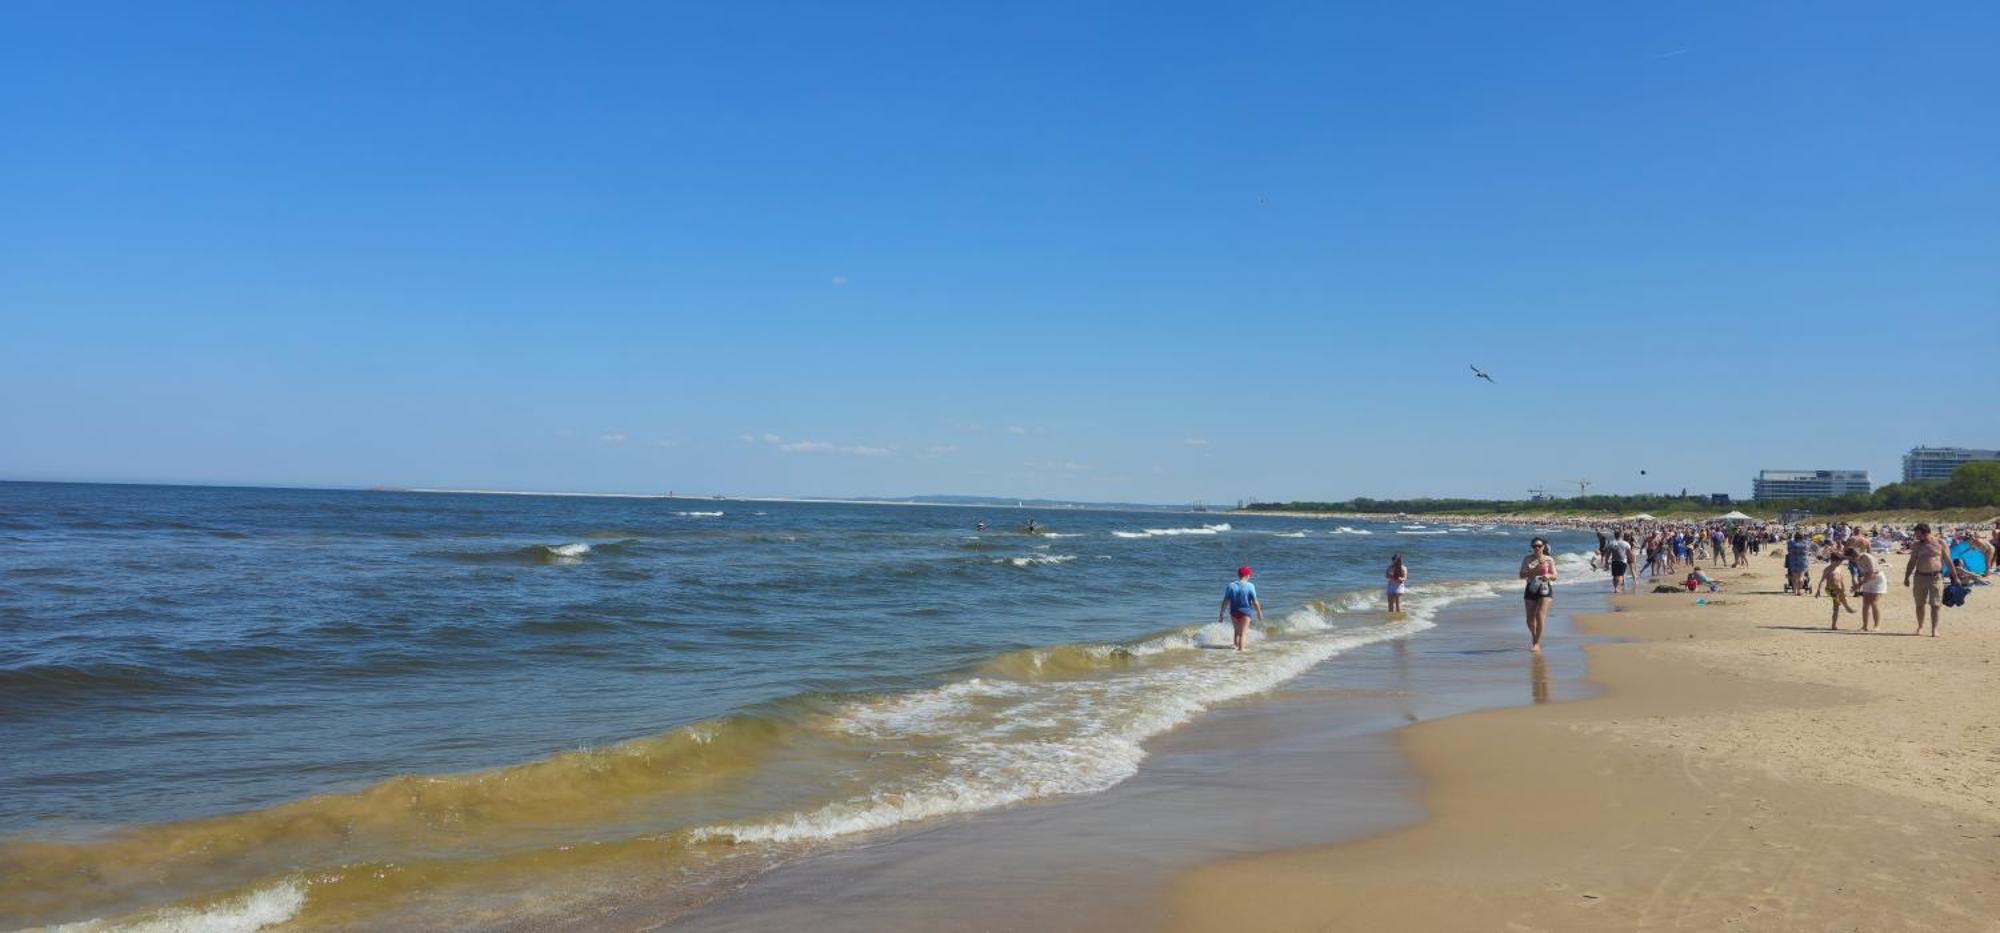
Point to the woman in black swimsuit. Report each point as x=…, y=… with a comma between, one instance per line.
x=1539, y=569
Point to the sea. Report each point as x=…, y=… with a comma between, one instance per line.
x=233, y=708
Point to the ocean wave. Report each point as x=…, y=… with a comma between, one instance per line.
x=1174, y=532
x=1288, y=534
x=1036, y=560
x=998, y=742
x=1344, y=530
x=556, y=554
x=257, y=910
x=699, y=514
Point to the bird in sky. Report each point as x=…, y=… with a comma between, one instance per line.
x=1476, y=371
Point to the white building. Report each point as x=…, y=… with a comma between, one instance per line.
x=1808, y=484
x=1923, y=463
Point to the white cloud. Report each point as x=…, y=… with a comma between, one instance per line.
x=1016, y=429
x=942, y=449
x=747, y=438
x=772, y=438
x=614, y=438
x=666, y=443
x=839, y=280
x=1196, y=442
x=822, y=447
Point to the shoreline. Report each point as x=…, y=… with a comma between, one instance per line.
x=1312, y=761
x=1738, y=765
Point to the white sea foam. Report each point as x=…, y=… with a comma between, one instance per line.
x=1344, y=530
x=571, y=551
x=1408, y=532
x=699, y=514
x=1053, y=534
x=257, y=910
x=1173, y=532
x=1288, y=534
x=998, y=747
x=1036, y=560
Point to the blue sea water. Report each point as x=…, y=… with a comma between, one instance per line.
x=311, y=680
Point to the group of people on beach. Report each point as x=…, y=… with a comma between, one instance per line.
x=1856, y=562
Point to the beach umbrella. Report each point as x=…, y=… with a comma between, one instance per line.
x=1975, y=560
x=1642, y=517
x=1735, y=517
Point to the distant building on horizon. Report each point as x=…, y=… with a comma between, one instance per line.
x=1808, y=484
x=1925, y=463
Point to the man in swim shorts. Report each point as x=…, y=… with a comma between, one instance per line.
x=1927, y=564
x=1239, y=600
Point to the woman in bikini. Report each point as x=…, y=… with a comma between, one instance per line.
x=1539, y=569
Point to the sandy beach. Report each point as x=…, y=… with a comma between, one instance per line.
x=1742, y=768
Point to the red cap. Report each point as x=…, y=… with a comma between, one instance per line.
x=1242, y=571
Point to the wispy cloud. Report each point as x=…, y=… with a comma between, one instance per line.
x=666, y=443
x=1670, y=54
x=822, y=447
x=839, y=280
x=943, y=449
x=615, y=438
x=1016, y=429
x=1196, y=442
x=819, y=447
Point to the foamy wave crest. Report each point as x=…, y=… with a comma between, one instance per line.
x=257, y=910
x=1344, y=530
x=1036, y=560
x=1056, y=534
x=701, y=514
x=1171, y=532
x=1288, y=534
x=997, y=743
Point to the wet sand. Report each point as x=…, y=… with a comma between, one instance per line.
x=1312, y=762
x=1742, y=768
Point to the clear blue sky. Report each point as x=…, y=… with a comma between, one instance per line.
x=1133, y=251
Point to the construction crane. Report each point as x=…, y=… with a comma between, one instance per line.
x=1582, y=487
x=1537, y=494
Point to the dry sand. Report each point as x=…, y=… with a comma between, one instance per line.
x=1744, y=769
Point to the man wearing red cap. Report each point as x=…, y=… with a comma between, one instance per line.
x=1239, y=601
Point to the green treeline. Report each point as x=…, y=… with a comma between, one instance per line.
x=1972, y=485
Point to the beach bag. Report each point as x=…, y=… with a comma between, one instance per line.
x=1955, y=593
x=1541, y=588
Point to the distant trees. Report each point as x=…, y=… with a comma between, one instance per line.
x=1972, y=485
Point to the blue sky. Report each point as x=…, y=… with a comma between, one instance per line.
x=1131, y=251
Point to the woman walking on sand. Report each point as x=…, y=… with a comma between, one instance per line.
x=1873, y=584
x=1539, y=569
x=1399, y=578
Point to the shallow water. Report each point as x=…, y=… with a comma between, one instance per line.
x=342, y=706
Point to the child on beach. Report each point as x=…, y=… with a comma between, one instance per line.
x=1239, y=600
x=1399, y=577
x=1833, y=583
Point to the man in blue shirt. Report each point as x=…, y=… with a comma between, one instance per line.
x=1239, y=600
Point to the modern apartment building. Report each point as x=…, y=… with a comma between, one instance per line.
x=1923, y=463
x=1808, y=484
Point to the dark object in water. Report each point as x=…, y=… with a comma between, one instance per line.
x=1663, y=588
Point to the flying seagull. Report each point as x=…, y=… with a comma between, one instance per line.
x=1476, y=371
